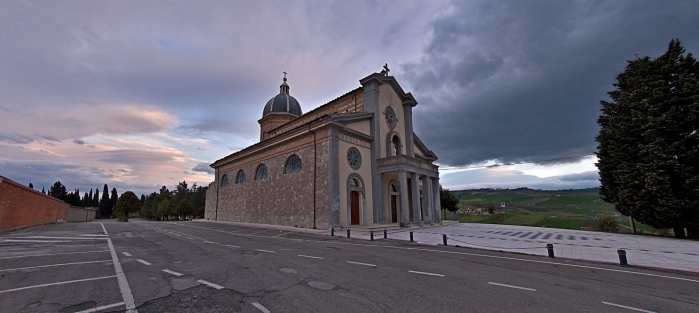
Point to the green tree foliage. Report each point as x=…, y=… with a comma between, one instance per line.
x=164, y=209
x=607, y=223
x=126, y=204
x=447, y=200
x=185, y=208
x=113, y=198
x=96, y=198
x=58, y=191
x=648, y=141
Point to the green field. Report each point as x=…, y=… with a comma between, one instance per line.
x=569, y=209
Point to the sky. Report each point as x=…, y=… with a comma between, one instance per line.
x=141, y=94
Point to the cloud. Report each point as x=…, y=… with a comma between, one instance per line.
x=78, y=141
x=584, y=176
x=512, y=178
x=203, y=167
x=520, y=81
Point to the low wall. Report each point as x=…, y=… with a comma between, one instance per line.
x=79, y=214
x=21, y=206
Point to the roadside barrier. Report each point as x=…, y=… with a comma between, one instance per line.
x=332, y=231
x=444, y=239
x=622, y=257
x=411, y=237
x=348, y=233
x=550, y=248
x=371, y=234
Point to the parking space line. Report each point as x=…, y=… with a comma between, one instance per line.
x=231, y=246
x=58, y=283
x=172, y=272
x=311, y=257
x=266, y=251
x=121, y=278
x=627, y=307
x=104, y=229
x=260, y=307
x=426, y=273
x=143, y=262
x=36, y=241
x=210, y=284
x=100, y=308
x=358, y=263
x=51, y=265
x=511, y=286
x=126, y=254
x=38, y=255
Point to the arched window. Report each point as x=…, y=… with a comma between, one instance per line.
x=224, y=180
x=261, y=172
x=293, y=164
x=240, y=178
x=393, y=187
x=264, y=135
x=395, y=146
x=355, y=183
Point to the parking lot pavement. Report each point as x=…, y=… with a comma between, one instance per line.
x=60, y=268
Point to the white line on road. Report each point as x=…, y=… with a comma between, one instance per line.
x=231, y=246
x=312, y=257
x=210, y=284
x=510, y=286
x=627, y=307
x=358, y=263
x=54, y=237
x=190, y=238
x=121, y=278
x=260, y=307
x=100, y=308
x=126, y=254
x=58, y=283
x=35, y=241
x=90, y=235
x=52, y=265
x=104, y=229
x=27, y=256
x=265, y=251
x=266, y=230
x=206, y=241
x=142, y=261
x=173, y=273
x=425, y=273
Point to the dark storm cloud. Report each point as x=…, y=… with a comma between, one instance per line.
x=15, y=138
x=522, y=80
x=78, y=141
x=203, y=167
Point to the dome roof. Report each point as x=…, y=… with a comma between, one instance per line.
x=283, y=102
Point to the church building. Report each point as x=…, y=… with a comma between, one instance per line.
x=354, y=161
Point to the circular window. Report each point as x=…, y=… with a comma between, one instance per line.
x=391, y=119
x=354, y=158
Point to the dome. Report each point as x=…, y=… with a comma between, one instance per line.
x=283, y=102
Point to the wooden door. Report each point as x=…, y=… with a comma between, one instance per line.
x=355, y=207
x=422, y=210
x=394, y=209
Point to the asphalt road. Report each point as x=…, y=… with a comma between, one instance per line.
x=204, y=266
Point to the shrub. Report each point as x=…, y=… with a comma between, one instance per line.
x=607, y=223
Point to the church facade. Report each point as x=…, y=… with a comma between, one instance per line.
x=354, y=161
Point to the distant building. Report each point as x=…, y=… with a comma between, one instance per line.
x=352, y=161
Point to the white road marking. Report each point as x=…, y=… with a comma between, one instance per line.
x=510, y=286
x=178, y=235
x=210, y=284
x=206, y=241
x=58, y=283
x=126, y=254
x=54, y=237
x=260, y=307
x=142, y=261
x=121, y=278
x=190, y=238
x=52, y=265
x=104, y=229
x=281, y=235
x=312, y=257
x=100, y=308
x=358, y=263
x=28, y=256
x=35, y=241
x=425, y=273
x=89, y=235
x=231, y=246
x=627, y=307
x=173, y=273
x=260, y=232
x=265, y=251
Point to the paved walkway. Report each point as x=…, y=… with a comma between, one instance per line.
x=645, y=251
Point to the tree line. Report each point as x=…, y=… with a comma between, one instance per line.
x=181, y=202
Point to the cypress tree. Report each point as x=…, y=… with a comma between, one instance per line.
x=96, y=198
x=31, y=185
x=113, y=200
x=647, y=143
x=105, y=209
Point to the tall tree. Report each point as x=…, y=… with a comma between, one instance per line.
x=647, y=152
x=447, y=200
x=105, y=208
x=43, y=190
x=96, y=198
x=87, y=200
x=58, y=191
x=113, y=198
x=126, y=204
x=31, y=185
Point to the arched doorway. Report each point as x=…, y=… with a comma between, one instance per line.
x=354, y=208
x=393, y=194
x=355, y=200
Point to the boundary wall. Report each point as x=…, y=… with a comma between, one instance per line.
x=80, y=214
x=21, y=206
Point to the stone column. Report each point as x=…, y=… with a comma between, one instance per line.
x=404, y=211
x=333, y=178
x=427, y=199
x=437, y=206
x=378, y=193
x=415, y=191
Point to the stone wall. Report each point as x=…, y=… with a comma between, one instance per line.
x=281, y=198
x=21, y=206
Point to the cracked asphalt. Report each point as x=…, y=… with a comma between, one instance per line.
x=201, y=266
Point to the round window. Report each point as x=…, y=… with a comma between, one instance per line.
x=391, y=119
x=354, y=158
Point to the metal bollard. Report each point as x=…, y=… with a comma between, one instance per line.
x=371, y=234
x=411, y=236
x=332, y=231
x=622, y=257
x=550, y=248
x=385, y=236
x=444, y=239
x=348, y=233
